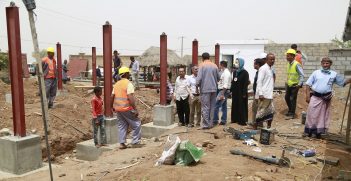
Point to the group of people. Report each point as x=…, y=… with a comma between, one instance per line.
x=204, y=93
x=134, y=66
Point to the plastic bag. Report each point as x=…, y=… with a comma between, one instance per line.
x=169, y=151
x=187, y=153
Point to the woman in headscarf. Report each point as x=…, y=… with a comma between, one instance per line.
x=238, y=88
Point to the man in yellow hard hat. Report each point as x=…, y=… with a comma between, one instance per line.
x=50, y=76
x=295, y=78
x=124, y=105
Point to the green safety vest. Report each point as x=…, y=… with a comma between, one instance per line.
x=293, y=75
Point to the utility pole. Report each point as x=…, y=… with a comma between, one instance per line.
x=30, y=5
x=181, y=49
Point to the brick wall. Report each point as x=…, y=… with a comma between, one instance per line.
x=314, y=52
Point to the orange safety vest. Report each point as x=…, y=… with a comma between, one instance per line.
x=51, y=66
x=121, y=102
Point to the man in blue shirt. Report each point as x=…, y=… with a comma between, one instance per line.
x=318, y=95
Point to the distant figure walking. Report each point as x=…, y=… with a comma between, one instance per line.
x=64, y=72
x=50, y=76
x=135, y=72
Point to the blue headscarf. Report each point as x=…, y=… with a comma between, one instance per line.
x=241, y=65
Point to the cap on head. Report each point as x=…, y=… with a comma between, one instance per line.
x=326, y=59
x=50, y=49
x=123, y=70
x=291, y=51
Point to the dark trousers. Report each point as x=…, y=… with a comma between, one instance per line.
x=183, y=110
x=101, y=125
x=291, y=97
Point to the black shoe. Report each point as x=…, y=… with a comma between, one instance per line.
x=221, y=123
x=318, y=136
x=287, y=114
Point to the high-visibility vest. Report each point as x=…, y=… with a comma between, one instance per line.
x=51, y=66
x=121, y=102
x=293, y=75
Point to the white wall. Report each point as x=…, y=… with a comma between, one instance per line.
x=248, y=50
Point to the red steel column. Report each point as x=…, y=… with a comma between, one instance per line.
x=195, y=52
x=59, y=66
x=15, y=58
x=163, y=69
x=107, y=55
x=217, y=54
x=93, y=66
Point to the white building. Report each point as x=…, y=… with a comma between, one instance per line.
x=249, y=50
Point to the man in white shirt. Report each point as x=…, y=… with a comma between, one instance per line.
x=135, y=72
x=181, y=96
x=222, y=94
x=195, y=104
x=264, y=92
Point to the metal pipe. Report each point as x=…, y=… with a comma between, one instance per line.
x=15, y=59
x=59, y=66
x=195, y=52
x=107, y=55
x=163, y=69
x=93, y=66
x=217, y=54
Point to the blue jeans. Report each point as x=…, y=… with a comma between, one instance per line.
x=100, y=126
x=223, y=105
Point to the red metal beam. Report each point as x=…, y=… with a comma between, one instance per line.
x=195, y=52
x=107, y=55
x=59, y=66
x=15, y=58
x=93, y=66
x=163, y=69
x=217, y=54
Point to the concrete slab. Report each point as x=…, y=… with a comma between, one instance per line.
x=87, y=150
x=111, y=130
x=19, y=155
x=163, y=115
x=61, y=93
x=45, y=167
x=150, y=130
x=8, y=98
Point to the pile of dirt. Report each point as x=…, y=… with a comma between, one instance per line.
x=70, y=120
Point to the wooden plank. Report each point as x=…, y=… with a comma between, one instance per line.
x=85, y=86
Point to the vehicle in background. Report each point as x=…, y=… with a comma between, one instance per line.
x=31, y=69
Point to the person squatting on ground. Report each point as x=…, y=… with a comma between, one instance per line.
x=134, y=65
x=295, y=78
x=124, y=105
x=238, y=89
x=222, y=93
x=98, y=121
x=258, y=62
x=181, y=96
x=264, y=93
x=319, y=94
x=50, y=76
x=195, y=103
x=207, y=80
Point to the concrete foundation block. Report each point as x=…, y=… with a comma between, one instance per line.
x=19, y=155
x=87, y=150
x=111, y=130
x=163, y=115
x=150, y=130
x=8, y=98
x=61, y=93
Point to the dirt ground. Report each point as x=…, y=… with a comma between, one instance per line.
x=216, y=164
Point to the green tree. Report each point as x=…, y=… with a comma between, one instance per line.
x=4, y=61
x=42, y=54
x=341, y=43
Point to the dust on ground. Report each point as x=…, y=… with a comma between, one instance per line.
x=216, y=164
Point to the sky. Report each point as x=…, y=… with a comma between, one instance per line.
x=138, y=24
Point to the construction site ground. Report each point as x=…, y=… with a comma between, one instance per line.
x=70, y=123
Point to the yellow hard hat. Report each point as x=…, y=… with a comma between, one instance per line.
x=123, y=70
x=50, y=49
x=291, y=51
